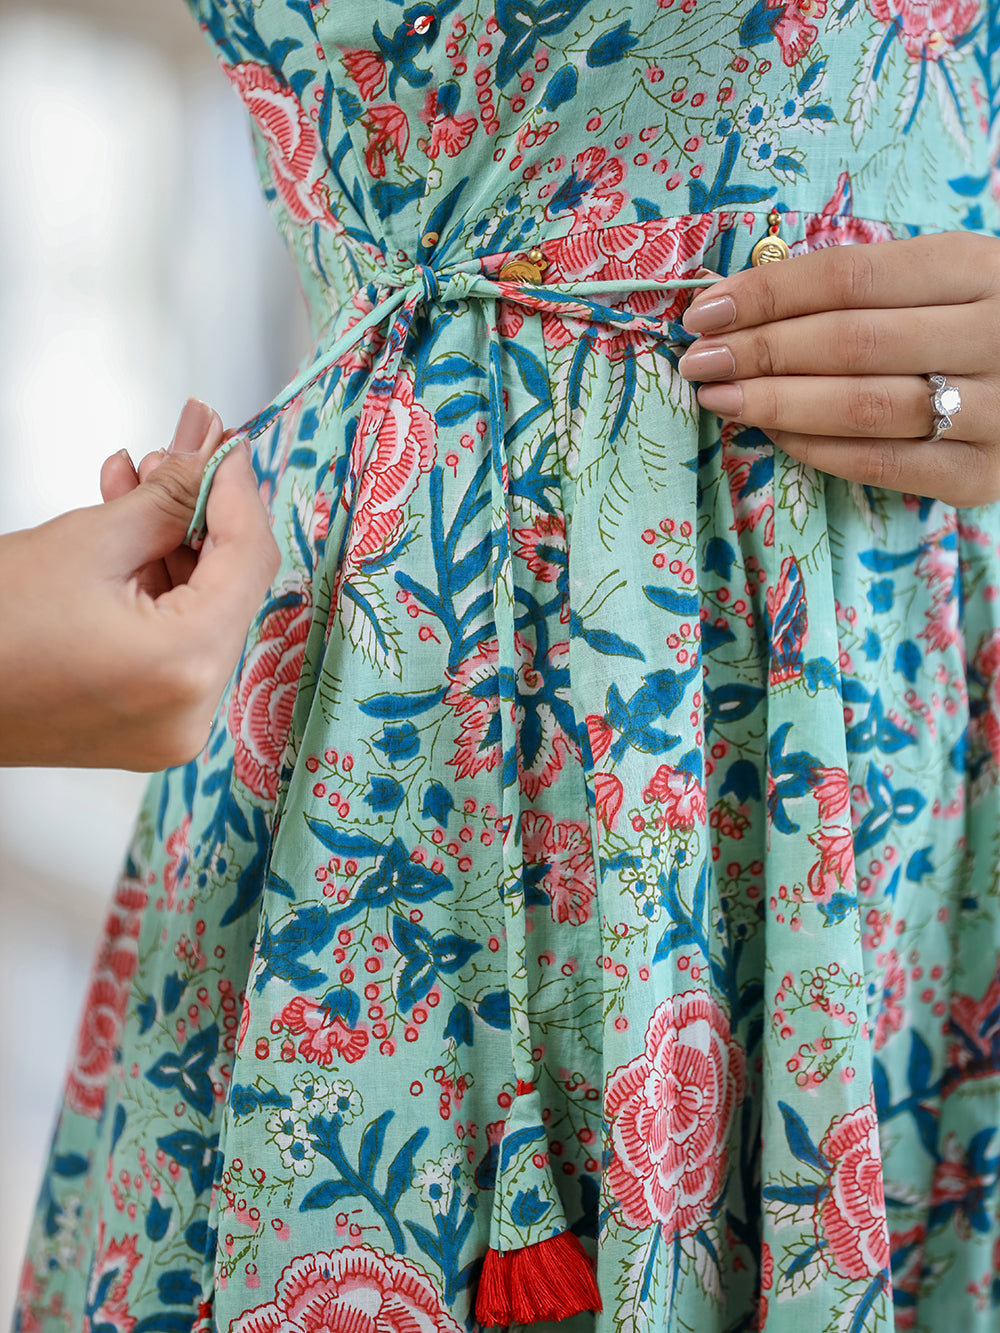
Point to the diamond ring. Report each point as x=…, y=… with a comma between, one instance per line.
x=946, y=401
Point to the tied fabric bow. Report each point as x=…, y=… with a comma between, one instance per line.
x=535, y=1268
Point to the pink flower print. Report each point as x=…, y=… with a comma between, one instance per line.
x=599, y=733
x=176, y=847
x=395, y=444
x=324, y=1037
x=975, y=1028
x=681, y=796
x=657, y=250
x=450, y=134
x=890, y=1014
x=833, y=872
x=260, y=710
x=985, y=728
x=751, y=487
x=474, y=695
x=542, y=546
x=669, y=1115
x=591, y=192
x=354, y=1290
x=366, y=69
x=294, y=152
x=99, y=1034
x=849, y=1219
x=388, y=129
x=110, y=1278
x=563, y=847
x=929, y=28
x=833, y=794
x=766, y=1281
x=836, y=224
x=794, y=31
x=608, y=795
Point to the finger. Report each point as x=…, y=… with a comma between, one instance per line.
x=153, y=520
x=845, y=342
x=959, y=473
x=951, y=268
x=198, y=431
x=886, y=407
x=118, y=476
x=233, y=571
x=149, y=464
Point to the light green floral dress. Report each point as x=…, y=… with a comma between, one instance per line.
x=595, y=854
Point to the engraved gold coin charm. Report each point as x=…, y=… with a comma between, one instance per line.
x=525, y=268
x=771, y=247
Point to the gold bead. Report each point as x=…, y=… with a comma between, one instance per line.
x=536, y=256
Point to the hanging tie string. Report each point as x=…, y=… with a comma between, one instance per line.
x=535, y=1268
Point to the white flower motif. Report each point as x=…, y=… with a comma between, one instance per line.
x=285, y=1128
x=298, y=1158
x=755, y=115
x=293, y=1139
x=310, y=1093
x=344, y=1100
x=440, y=1178
x=68, y=1220
x=790, y=112
x=761, y=151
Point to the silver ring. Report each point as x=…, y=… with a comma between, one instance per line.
x=946, y=402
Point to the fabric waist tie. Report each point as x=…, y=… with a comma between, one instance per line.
x=426, y=287
x=535, y=1268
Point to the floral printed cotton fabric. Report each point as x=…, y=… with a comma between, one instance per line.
x=601, y=829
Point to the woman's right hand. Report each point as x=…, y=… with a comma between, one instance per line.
x=117, y=640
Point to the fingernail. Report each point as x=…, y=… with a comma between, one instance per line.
x=124, y=453
x=707, y=363
x=704, y=272
x=710, y=314
x=725, y=400
x=192, y=427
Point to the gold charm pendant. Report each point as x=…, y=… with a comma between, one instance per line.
x=771, y=247
x=526, y=268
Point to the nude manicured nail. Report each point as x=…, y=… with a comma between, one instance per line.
x=707, y=363
x=710, y=315
x=192, y=428
x=725, y=400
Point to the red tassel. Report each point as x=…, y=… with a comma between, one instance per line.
x=493, y=1297
x=550, y=1280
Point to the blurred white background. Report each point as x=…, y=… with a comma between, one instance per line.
x=137, y=267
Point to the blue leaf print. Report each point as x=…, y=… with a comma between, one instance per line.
x=494, y=1009
x=673, y=599
x=197, y=1154
x=611, y=46
x=757, y=25
x=384, y=794
x=459, y=1026
x=561, y=88
x=798, y=1138
x=528, y=1208
x=178, y=1288
x=189, y=1071
x=438, y=803
x=427, y=958
x=157, y=1220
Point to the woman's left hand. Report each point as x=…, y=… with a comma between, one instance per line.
x=827, y=354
